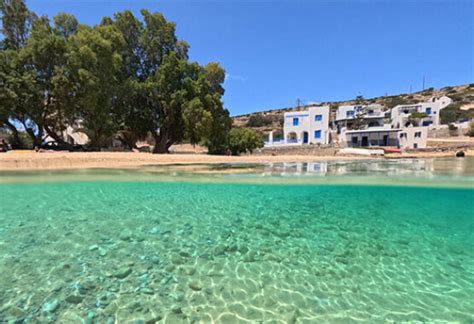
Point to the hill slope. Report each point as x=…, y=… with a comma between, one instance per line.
x=268, y=120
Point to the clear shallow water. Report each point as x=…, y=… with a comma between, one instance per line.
x=281, y=243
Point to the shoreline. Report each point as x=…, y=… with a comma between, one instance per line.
x=31, y=161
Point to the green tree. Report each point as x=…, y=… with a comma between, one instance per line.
x=44, y=57
x=16, y=22
x=243, y=140
x=165, y=95
x=94, y=66
x=359, y=121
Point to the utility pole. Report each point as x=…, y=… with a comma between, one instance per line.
x=298, y=102
x=410, y=88
x=423, y=82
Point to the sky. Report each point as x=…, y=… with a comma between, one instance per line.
x=276, y=52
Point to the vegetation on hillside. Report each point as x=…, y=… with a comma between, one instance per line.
x=454, y=113
x=127, y=75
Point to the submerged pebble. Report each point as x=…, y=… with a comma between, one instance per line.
x=74, y=299
x=123, y=272
x=50, y=307
x=194, y=285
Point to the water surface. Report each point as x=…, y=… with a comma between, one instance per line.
x=284, y=243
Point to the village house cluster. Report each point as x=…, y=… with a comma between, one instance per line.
x=404, y=126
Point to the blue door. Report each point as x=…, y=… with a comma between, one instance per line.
x=305, y=138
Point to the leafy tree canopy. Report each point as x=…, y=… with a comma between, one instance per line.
x=242, y=140
x=128, y=77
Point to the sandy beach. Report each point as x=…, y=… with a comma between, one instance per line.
x=65, y=160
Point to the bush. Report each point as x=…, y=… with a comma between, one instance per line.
x=452, y=127
x=395, y=101
x=243, y=140
x=470, y=132
x=259, y=120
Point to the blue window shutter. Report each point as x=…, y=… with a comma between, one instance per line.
x=317, y=134
x=295, y=121
x=318, y=117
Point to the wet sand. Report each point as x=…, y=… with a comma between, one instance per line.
x=65, y=160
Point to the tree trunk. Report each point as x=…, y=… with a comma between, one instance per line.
x=161, y=144
x=15, y=134
x=56, y=137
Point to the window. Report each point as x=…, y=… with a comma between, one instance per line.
x=318, y=117
x=350, y=113
x=317, y=134
x=355, y=140
x=428, y=110
x=402, y=135
x=296, y=121
x=417, y=134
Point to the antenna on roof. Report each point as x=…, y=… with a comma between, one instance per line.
x=298, y=102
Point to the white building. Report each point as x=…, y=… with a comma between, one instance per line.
x=404, y=138
x=400, y=115
x=307, y=127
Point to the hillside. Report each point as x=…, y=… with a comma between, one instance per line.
x=462, y=95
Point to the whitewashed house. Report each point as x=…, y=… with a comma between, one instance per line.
x=373, y=116
x=307, y=127
x=400, y=115
x=404, y=138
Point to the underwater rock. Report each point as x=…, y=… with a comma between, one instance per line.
x=152, y=319
x=243, y=249
x=111, y=309
x=50, y=307
x=74, y=299
x=177, y=296
x=89, y=319
x=103, y=252
x=194, y=285
x=233, y=248
x=187, y=270
x=123, y=272
x=57, y=287
x=176, y=259
x=126, y=235
x=147, y=291
x=220, y=249
x=93, y=247
x=184, y=254
x=154, y=231
x=250, y=256
x=176, y=309
x=13, y=314
x=170, y=268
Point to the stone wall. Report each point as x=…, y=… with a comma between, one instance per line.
x=443, y=131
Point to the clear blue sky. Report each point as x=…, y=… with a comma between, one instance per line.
x=277, y=51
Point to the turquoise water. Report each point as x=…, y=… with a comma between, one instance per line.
x=293, y=243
